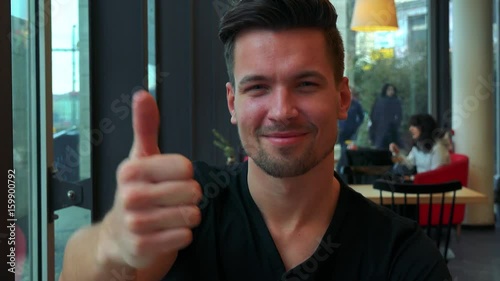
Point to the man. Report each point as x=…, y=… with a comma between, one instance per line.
x=282, y=215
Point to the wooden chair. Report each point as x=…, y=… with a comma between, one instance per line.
x=427, y=195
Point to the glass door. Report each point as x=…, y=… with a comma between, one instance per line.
x=25, y=149
x=51, y=131
x=71, y=122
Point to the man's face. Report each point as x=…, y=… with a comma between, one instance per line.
x=285, y=101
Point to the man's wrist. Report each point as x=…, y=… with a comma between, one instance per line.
x=106, y=249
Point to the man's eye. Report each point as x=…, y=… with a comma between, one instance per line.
x=255, y=88
x=307, y=84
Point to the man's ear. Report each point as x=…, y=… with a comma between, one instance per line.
x=230, y=102
x=344, y=101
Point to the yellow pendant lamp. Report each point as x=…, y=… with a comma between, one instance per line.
x=374, y=15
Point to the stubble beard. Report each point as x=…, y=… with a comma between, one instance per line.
x=285, y=164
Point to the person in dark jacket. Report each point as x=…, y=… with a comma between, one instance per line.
x=386, y=118
x=349, y=127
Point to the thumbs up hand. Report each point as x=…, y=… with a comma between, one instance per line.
x=145, y=122
x=156, y=198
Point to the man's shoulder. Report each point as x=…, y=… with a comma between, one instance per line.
x=400, y=238
x=380, y=224
x=370, y=211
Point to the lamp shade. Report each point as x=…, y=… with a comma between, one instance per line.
x=374, y=15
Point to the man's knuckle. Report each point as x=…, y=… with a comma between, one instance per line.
x=140, y=246
x=185, y=165
x=129, y=197
x=129, y=171
x=195, y=217
x=197, y=193
x=130, y=222
x=186, y=236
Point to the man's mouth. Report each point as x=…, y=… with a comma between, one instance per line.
x=285, y=138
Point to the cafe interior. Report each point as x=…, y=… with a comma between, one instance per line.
x=75, y=65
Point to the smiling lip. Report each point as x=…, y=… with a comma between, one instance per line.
x=285, y=138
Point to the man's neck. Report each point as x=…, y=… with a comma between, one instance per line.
x=292, y=203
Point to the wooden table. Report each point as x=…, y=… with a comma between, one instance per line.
x=463, y=196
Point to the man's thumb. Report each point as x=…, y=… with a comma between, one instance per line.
x=145, y=122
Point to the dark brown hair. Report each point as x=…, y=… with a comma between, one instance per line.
x=429, y=131
x=386, y=86
x=282, y=15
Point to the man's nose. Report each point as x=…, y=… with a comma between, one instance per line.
x=283, y=105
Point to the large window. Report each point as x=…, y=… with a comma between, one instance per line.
x=399, y=58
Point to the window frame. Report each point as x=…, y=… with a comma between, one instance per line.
x=6, y=126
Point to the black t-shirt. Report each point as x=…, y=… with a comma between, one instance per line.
x=363, y=241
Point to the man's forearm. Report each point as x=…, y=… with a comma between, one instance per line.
x=80, y=260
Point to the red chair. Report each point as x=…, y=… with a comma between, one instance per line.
x=458, y=169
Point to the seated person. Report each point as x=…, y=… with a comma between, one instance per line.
x=429, y=151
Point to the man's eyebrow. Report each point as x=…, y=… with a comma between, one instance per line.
x=252, y=78
x=309, y=74
x=301, y=75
